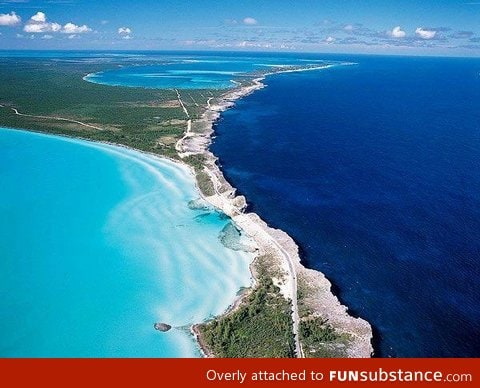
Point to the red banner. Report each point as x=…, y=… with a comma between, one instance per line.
x=196, y=373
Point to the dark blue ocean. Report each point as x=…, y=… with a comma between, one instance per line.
x=374, y=170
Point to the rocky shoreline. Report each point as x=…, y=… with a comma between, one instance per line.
x=319, y=298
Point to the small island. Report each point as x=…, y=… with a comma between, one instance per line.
x=163, y=327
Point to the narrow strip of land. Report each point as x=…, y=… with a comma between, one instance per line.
x=294, y=290
x=291, y=273
x=290, y=265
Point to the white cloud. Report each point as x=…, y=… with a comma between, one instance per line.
x=38, y=24
x=124, y=31
x=330, y=39
x=246, y=43
x=73, y=36
x=39, y=17
x=425, y=34
x=36, y=28
x=212, y=43
x=348, y=27
x=71, y=28
x=250, y=21
x=103, y=22
x=47, y=37
x=9, y=19
x=397, y=32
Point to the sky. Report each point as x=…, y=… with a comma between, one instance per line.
x=422, y=27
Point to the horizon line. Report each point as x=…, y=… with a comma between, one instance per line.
x=244, y=52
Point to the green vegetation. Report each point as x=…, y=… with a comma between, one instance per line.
x=204, y=183
x=146, y=119
x=320, y=339
x=317, y=330
x=197, y=161
x=317, y=336
x=304, y=309
x=260, y=327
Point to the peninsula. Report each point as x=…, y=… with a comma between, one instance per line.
x=321, y=326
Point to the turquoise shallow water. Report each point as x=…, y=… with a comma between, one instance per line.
x=180, y=73
x=191, y=72
x=96, y=244
x=165, y=77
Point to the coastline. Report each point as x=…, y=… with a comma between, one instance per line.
x=269, y=241
x=323, y=114
x=273, y=242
